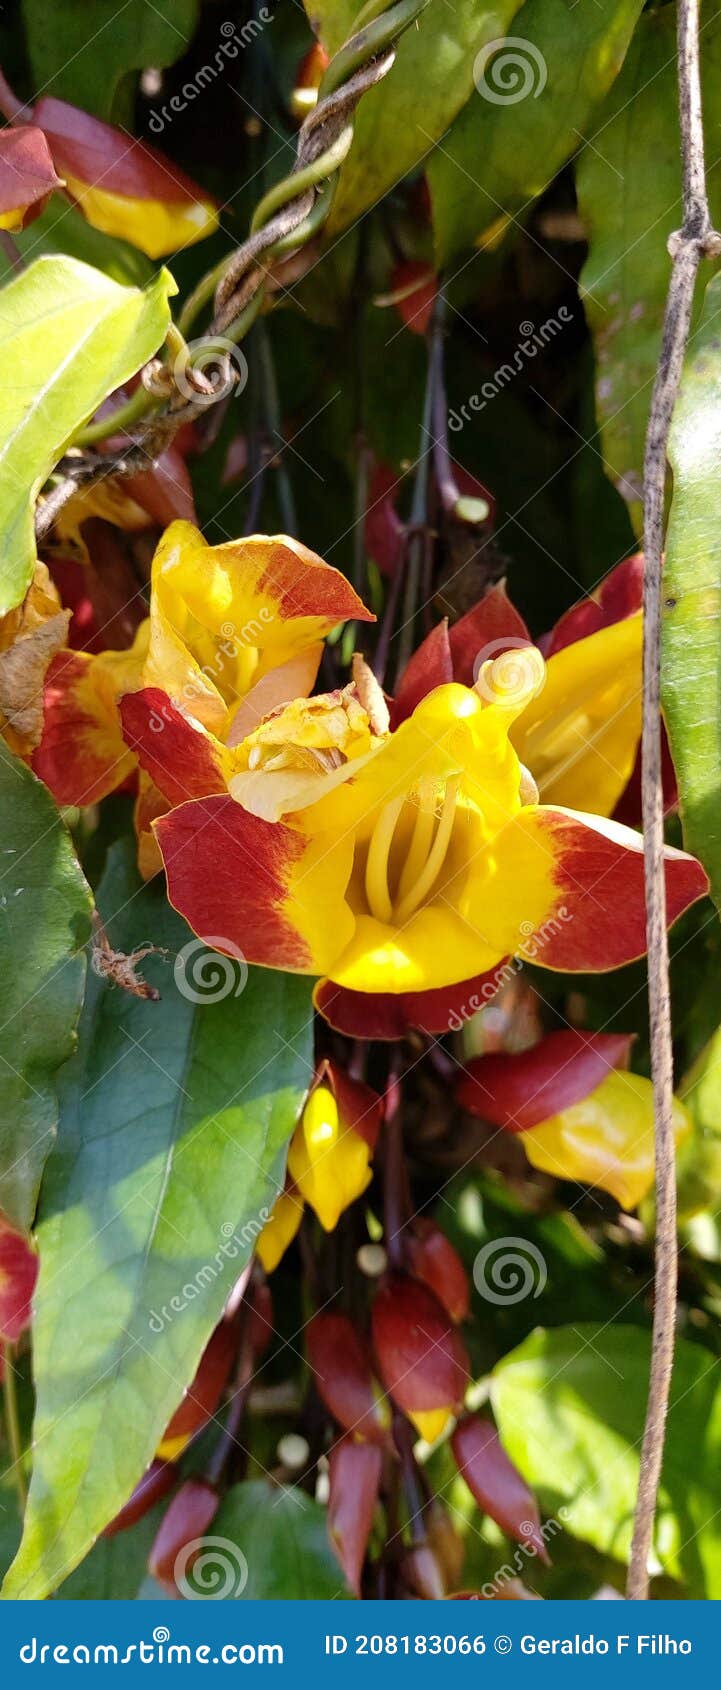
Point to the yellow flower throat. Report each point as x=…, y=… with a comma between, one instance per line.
x=424, y=857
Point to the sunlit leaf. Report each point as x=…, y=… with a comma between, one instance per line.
x=71, y=336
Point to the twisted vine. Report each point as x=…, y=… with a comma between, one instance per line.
x=289, y=215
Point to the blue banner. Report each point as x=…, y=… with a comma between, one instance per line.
x=333, y=1643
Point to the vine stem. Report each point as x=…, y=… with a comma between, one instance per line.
x=694, y=241
x=12, y=1424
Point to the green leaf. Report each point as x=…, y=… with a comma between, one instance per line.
x=172, y=1142
x=398, y=122
x=570, y=1406
x=500, y=156
x=44, y=924
x=70, y=335
x=691, y=684
x=283, y=1539
x=115, y=1569
x=84, y=61
x=629, y=195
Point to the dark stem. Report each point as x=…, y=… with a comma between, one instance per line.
x=12, y=251
x=396, y=1198
x=696, y=240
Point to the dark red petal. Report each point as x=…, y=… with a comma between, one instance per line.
x=344, y=1380
x=190, y=1513
x=27, y=172
x=494, y=623
x=386, y=1015
x=430, y=666
x=417, y=283
x=359, y=1106
x=96, y=153
x=620, y=595
x=203, y=1395
x=432, y=1258
x=496, y=1484
x=355, y=1476
x=517, y=1090
x=164, y=489
x=384, y=531
x=18, y=1273
x=422, y=1359
x=154, y=1485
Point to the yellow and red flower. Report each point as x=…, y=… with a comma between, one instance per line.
x=233, y=632
x=580, y=1114
x=403, y=867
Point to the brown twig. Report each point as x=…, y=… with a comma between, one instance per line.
x=694, y=241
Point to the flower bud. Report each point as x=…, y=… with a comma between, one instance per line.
x=330, y=1152
x=18, y=1273
x=203, y=1395
x=496, y=1484
x=157, y=1480
x=581, y=1115
x=123, y=186
x=355, y=1476
x=344, y=1378
x=422, y=1359
x=190, y=1513
x=432, y=1258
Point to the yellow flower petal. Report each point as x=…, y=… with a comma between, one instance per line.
x=579, y=736
x=279, y=1230
x=606, y=1140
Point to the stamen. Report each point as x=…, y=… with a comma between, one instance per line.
x=376, y=876
x=421, y=837
x=436, y=859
